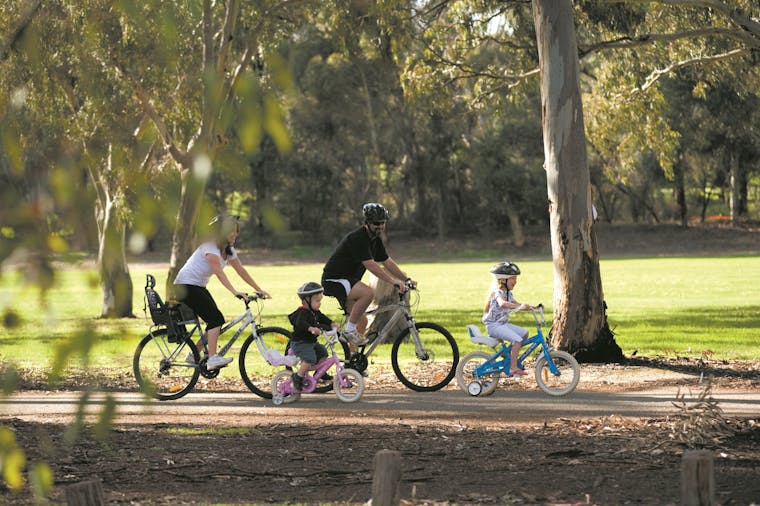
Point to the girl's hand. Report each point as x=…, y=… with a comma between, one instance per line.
x=264, y=294
x=525, y=307
x=241, y=295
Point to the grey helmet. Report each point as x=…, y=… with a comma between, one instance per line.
x=374, y=212
x=308, y=289
x=504, y=270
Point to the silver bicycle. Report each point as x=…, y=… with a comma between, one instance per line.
x=167, y=364
x=424, y=355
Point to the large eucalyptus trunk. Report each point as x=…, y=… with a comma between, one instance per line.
x=580, y=323
x=115, y=281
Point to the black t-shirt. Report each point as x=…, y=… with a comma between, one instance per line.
x=303, y=318
x=354, y=248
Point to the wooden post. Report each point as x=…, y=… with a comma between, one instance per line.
x=85, y=493
x=386, y=479
x=697, y=478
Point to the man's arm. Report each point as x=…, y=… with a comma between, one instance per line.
x=385, y=273
x=394, y=269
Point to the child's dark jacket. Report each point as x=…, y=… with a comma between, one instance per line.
x=303, y=318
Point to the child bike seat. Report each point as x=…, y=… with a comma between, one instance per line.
x=478, y=338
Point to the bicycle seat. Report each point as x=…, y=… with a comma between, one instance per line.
x=478, y=338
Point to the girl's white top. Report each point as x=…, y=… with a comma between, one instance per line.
x=197, y=271
x=496, y=313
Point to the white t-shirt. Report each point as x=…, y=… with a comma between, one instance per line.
x=197, y=271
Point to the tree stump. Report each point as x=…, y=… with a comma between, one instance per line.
x=386, y=478
x=697, y=478
x=86, y=493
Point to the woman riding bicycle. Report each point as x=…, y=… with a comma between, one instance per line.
x=210, y=258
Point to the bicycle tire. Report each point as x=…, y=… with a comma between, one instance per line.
x=465, y=373
x=256, y=372
x=349, y=385
x=160, y=368
x=560, y=385
x=432, y=371
x=326, y=387
x=277, y=386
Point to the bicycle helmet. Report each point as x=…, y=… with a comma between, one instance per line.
x=504, y=270
x=374, y=212
x=309, y=289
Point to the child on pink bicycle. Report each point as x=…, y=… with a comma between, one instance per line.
x=308, y=322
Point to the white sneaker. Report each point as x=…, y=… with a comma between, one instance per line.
x=189, y=358
x=354, y=337
x=217, y=361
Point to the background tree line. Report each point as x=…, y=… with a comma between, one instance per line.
x=125, y=124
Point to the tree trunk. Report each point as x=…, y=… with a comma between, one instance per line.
x=115, y=281
x=184, y=232
x=580, y=323
x=680, y=186
x=518, y=232
x=733, y=186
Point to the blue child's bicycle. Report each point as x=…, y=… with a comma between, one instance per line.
x=557, y=372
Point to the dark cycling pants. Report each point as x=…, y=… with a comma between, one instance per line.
x=200, y=300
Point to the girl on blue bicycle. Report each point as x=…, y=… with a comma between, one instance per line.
x=499, y=305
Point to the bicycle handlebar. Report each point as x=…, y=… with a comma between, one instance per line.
x=251, y=298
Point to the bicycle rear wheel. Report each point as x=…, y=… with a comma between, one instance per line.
x=466, y=373
x=433, y=366
x=562, y=383
x=160, y=367
x=256, y=372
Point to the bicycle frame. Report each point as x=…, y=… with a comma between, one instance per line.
x=245, y=320
x=383, y=335
x=493, y=365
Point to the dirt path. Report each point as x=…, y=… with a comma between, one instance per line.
x=615, y=440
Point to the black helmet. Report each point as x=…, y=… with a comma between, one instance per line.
x=504, y=270
x=375, y=212
x=309, y=289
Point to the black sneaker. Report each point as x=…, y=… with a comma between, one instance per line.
x=297, y=382
x=326, y=377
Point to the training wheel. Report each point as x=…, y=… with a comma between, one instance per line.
x=474, y=388
x=277, y=399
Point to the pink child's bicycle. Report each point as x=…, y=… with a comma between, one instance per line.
x=348, y=384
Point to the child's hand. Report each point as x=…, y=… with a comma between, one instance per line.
x=526, y=307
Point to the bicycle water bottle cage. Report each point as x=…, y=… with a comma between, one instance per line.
x=478, y=338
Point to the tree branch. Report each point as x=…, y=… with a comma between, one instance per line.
x=744, y=21
x=656, y=74
x=649, y=38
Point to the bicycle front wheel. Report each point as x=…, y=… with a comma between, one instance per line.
x=256, y=372
x=560, y=384
x=349, y=385
x=466, y=373
x=426, y=360
x=161, y=368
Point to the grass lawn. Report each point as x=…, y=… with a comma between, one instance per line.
x=657, y=306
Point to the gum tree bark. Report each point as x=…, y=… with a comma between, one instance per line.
x=580, y=323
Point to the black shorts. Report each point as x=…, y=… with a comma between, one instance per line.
x=200, y=300
x=338, y=290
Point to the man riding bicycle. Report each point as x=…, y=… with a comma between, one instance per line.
x=359, y=251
